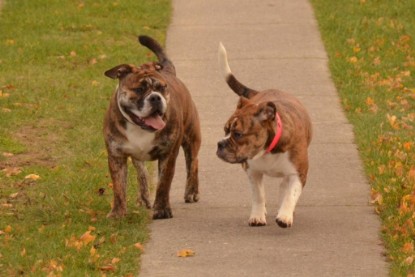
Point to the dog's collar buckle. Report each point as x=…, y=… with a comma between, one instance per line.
x=277, y=135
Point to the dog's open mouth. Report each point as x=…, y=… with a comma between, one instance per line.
x=154, y=122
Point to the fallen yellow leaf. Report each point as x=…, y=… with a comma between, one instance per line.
x=11, y=171
x=392, y=119
x=109, y=267
x=353, y=59
x=408, y=145
x=10, y=41
x=33, y=177
x=91, y=228
x=376, y=197
x=411, y=174
x=14, y=195
x=139, y=246
x=4, y=95
x=409, y=261
x=370, y=101
x=115, y=260
x=41, y=229
x=185, y=253
x=8, y=229
x=87, y=237
x=92, y=251
x=408, y=247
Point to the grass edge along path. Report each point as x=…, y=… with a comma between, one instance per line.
x=55, y=190
x=371, y=51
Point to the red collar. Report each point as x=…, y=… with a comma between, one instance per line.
x=277, y=135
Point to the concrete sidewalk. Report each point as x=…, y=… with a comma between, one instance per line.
x=271, y=44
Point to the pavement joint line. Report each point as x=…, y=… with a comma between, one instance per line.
x=273, y=58
x=237, y=25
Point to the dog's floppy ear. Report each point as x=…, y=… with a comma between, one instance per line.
x=119, y=71
x=266, y=111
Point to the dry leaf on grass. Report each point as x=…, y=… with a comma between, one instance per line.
x=8, y=229
x=139, y=246
x=33, y=177
x=11, y=171
x=109, y=267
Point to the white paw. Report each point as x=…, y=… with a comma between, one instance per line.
x=257, y=220
x=284, y=220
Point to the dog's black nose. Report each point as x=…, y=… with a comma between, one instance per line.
x=221, y=145
x=155, y=99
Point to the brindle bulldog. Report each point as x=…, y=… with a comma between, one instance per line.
x=151, y=114
x=269, y=133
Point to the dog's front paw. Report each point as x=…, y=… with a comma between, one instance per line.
x=284, y=221
x=191, y=197
x=257, y=221
x=162, y=213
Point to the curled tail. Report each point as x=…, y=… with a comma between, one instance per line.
x=156, y=48
x=230, y=79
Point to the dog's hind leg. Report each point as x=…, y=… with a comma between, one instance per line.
x=290, y=191
x=143, y=197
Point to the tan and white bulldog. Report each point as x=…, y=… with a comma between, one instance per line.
x=269, y=133
x=151, y=114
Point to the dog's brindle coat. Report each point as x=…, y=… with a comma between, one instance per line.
x=251, y=129
x=151, y=114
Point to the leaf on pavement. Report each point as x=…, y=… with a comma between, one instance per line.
x=184, y=253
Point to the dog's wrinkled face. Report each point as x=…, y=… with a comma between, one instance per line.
x=141, y=95
x=247, y=131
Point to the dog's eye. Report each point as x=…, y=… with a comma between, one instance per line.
x=160, y=88
x=237, y=135
x=139, y=90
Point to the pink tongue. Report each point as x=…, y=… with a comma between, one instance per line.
x=155, y=121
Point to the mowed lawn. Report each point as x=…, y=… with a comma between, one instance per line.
x=371, y=47
x=55, y=190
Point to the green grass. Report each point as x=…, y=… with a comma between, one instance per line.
x=371, y=48
x=53, y=96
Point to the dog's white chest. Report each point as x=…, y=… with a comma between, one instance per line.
x=140, y=142
x=275, y=165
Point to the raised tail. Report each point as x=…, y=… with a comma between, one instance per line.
x=230, y=79
x=156, y=48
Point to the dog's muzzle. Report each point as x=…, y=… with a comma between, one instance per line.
x=228, y=156
x=156, y=103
